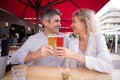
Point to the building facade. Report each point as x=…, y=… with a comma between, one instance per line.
x=110, y=24
x=110, y=21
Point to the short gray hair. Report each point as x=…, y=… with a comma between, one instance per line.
x=48, y=14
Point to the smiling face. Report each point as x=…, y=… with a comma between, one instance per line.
x=84, y=22
x=78, y=26
x=52, y=26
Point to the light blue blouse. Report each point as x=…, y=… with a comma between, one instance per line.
x=33, y=43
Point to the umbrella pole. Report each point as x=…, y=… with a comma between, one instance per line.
x=36, y=27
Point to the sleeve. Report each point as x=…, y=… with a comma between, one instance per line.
x=66, y=41
x=18, y=57
x=102, y=61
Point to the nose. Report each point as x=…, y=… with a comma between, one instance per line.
x=59, y=24
x=71, y=25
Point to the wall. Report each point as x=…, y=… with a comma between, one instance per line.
x=12, y=19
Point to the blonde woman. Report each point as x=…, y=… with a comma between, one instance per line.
x=93, y=53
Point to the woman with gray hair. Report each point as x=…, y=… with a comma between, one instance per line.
x=92, y=51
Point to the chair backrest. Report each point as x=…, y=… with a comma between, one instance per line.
x=3, y=65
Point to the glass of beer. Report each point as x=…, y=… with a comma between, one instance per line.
x=52, y=40
x=59, y=41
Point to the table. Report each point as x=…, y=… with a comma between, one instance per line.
x=13, y=48
x=53, y=73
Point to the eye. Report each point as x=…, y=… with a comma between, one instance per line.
x=57, y=20
x=73, y=21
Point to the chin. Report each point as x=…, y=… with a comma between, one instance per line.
x=56, y=32
x=74, y=32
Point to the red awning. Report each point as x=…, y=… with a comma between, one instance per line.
x=25, y=9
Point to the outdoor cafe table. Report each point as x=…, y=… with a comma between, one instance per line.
x=53, y=73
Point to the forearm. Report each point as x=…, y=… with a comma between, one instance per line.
x=79, y=57
x=31, y=56
x=99, y=64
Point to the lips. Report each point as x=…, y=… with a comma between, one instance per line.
x=57, y=27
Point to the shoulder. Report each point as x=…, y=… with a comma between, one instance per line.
x=98, y=35
x=37, y=35
x=34, y=39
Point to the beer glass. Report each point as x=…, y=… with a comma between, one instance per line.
x=59, y=41
x=51, y=40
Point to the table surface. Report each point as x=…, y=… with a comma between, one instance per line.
x=53, y=73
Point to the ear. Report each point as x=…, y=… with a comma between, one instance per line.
x=45, y=22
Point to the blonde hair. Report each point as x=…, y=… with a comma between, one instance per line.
x=87, y=16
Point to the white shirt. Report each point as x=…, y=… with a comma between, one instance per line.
x=33, y=43
x=97, y=56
